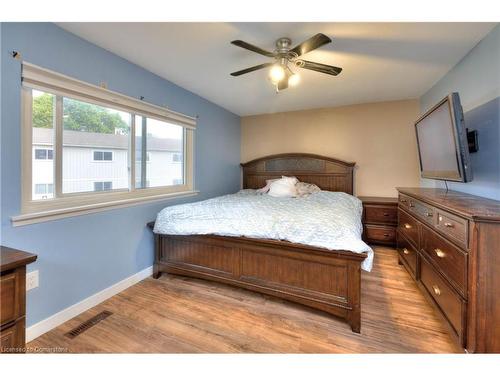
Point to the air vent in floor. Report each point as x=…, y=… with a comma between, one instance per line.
x=88, y=324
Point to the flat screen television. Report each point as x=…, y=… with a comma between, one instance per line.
x=442, y=142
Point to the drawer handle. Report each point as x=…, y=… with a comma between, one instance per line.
x=428, y=214
x=406, y=251
x=403, y=201
x=437, y=291
x=386, y=235
x=407, y=226
x=449, y=225
x=386, y=214
x=440, y=253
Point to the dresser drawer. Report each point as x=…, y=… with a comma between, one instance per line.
x=9, y=294
x=422, y=211
x=449, y=301
x=408, y=226
x=453, y=227
x=408, y=253
x=12, y=338
x=448, y=258
x=404, y=200
x=381, y=214
x=380, y=234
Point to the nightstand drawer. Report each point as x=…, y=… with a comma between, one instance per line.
x=380, y=234
x=381, y=214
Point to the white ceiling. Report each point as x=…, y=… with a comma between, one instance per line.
x=381, y=61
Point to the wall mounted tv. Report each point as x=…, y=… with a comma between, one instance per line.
x=442, y=142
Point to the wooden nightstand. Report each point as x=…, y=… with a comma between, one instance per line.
x=13, y=299
x=380, y=220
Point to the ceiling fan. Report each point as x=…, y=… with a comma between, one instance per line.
x=281, y=75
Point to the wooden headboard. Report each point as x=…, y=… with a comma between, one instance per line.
x=328, y=173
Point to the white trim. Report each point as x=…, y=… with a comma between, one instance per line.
x=38, y=329
x=40, y=217
x=43, y=79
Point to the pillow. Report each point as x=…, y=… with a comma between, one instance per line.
x=304, y=189
x=265, y=189
x=284, y=187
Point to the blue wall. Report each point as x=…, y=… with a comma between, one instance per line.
x=82, y=255
x=477, y=79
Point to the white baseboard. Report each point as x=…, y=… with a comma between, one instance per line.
x=38, y=329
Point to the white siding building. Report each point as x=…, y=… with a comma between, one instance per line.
x=97, y=162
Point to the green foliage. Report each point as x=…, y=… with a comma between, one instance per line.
x=43, y=107
x=78, y=116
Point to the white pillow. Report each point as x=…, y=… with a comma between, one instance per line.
x=265, y=189
x=284, y=187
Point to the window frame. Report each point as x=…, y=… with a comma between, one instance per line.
x=70, y=204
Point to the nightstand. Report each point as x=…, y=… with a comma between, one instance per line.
x=380, y=220
x=13, y=299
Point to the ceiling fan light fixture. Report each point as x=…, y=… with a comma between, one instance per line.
x=294, y=80
x=277, y=73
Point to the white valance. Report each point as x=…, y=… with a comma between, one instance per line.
x=46, y=80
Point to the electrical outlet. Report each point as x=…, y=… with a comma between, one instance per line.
x=32, y=280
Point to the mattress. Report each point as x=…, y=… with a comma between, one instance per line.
x=329, y=220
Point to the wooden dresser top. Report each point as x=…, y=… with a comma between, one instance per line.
x=466, y=205
x=12, y=258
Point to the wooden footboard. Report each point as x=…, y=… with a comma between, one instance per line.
x=323, y=279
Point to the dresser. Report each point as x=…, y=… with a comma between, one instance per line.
x=13, y=299
x=380, y=220
x=449, y=242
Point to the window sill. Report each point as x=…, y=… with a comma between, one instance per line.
x=40, y=217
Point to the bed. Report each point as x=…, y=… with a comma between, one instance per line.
x=325, y=279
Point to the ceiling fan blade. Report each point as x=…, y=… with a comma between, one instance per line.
x=252, y=48
x=310, y=44
x=322, y=68
x=253, y=68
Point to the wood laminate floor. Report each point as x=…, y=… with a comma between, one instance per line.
x=177, y=315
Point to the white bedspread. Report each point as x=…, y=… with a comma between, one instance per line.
x=325, y=219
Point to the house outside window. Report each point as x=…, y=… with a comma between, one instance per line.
x=103, y=156
x=44, y=154
x=103, y=185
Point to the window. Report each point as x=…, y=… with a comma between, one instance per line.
x=92, y=148
x=103, y=156
x=43, y=154
x=103, y=185
x=161, y=139
x=44, y=189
